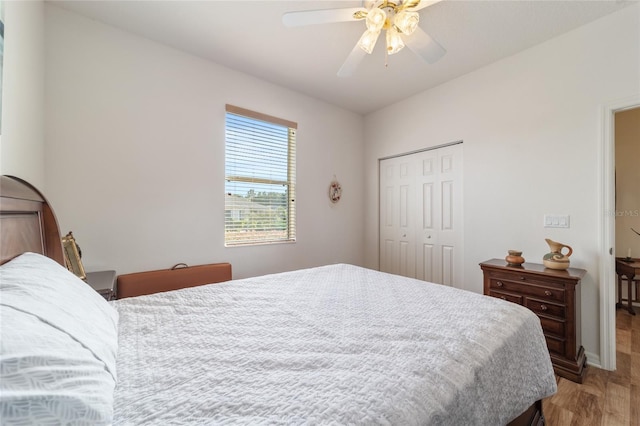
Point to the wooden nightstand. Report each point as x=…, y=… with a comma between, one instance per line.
x=104, y=282
x=552, y=295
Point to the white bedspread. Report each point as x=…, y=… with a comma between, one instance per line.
x=331, y=345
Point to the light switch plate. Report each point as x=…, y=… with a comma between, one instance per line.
x=556, y=221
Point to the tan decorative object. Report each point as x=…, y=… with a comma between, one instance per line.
x=72, y=256
x=514, y=258
x=556, y=259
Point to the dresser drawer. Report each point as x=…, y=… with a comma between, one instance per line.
x=529, y=288
x=506, y=296
x=553, y=326
x=529, y=278
x=555, y=345
x=545, y=308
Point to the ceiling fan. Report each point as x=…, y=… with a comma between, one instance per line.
x=398, y=18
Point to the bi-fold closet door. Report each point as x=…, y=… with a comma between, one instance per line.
x=421, y=215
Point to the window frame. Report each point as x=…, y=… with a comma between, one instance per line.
x=289, y=183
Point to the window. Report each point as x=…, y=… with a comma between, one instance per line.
x=260, y=175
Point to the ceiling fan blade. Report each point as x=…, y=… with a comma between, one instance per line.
x=424, y=46
x=351, y=63
x=422, y=4
x=324, y=16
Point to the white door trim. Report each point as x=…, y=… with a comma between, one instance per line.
x=606, y=234
x=431, y=148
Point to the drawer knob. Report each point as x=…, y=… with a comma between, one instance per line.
x=503, y=298
x=547, y=293
x=543, y=307
x=499, y=284
x=523, y=278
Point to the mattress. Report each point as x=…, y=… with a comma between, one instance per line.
x=337, y=344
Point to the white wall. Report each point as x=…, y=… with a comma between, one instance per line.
x=22, y=144
x=531, y=127
x=135, y=155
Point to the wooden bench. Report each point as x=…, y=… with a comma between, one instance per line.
x=177, y=277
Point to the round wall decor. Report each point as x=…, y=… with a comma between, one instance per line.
x=335, y=191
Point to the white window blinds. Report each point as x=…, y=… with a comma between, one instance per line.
x=259, y=178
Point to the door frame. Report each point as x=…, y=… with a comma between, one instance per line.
x=607, y=232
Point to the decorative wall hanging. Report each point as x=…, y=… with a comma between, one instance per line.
x=335, y=191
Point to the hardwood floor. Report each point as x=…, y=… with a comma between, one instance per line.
x=607, y=398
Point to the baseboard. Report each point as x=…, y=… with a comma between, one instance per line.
x=593, y=359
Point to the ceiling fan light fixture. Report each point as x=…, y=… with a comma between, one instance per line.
x=376, y=19
x=397, y=18
x=394, y=41
x=406, y=21
x=368, y=40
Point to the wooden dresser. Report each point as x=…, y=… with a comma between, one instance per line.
x=555, y=297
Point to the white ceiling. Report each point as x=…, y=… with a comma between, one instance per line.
x=249, y=36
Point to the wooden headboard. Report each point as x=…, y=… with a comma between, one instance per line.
x=27, y=222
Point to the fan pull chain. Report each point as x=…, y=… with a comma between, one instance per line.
x=386, y=58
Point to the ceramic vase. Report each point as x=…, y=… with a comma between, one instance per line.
x=514, y=258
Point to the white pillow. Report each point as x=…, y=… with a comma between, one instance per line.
x=48, y=377
x=40, y=286
x=58, y=345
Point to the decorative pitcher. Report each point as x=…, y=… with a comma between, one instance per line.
x=556, y=259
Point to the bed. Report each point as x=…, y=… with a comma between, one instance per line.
x=336, y=344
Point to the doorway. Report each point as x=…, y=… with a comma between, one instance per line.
x=608, y=278
x=421, y=215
